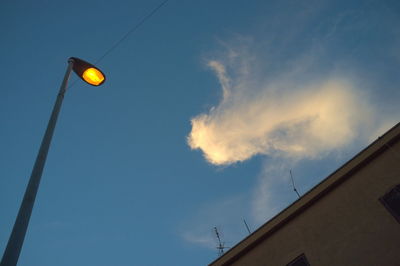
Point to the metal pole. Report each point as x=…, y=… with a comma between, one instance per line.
x=16, y=240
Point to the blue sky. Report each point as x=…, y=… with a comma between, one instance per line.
x=206, y=108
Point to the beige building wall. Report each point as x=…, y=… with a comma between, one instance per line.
x=346, y=226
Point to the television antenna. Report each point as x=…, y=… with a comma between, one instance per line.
x=221, y=245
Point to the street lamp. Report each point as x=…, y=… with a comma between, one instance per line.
x=90, y=74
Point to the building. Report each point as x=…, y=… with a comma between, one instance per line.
x=350, y=218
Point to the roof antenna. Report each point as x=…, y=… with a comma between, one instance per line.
x=221, y=246
x=294, y=186
x=247, y=227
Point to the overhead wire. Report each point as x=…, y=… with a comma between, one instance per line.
x=133, y=29
x=124, y=37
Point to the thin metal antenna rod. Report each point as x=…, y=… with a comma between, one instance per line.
x=294, y=186
x=16, y=240
x=247, y=227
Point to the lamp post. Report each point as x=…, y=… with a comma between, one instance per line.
x=90, y=74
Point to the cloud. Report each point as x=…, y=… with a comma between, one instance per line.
x=296, y=113
x=280, y=116
x=222, y=77
x=314, y=81
x=200, y=238
x=312, y=77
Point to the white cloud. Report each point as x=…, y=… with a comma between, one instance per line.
x=306, y=84
x=222, y=77
x=281, y=116
x=293, y=116
x=264, y=204
x=296, y=113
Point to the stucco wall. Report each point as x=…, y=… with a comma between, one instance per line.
x=348, y=226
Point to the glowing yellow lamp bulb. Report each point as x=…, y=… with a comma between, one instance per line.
x=93, y=76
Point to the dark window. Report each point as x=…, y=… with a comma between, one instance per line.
x=391, y=200
x=299, y=261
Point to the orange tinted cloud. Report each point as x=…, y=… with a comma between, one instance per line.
x=301, y=122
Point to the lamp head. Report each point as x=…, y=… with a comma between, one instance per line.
x=87, y=72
